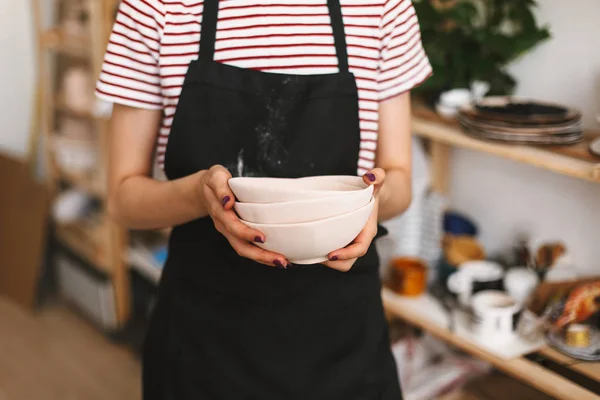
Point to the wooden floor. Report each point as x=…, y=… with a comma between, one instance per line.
x=56, y=355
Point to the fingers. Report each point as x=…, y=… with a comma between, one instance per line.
x=375, y=177
x=248, y=250
x=344, y=259
x=342, y=266
x=229, y=223
x=217, y=181
x=239, y=235
x=358, y=248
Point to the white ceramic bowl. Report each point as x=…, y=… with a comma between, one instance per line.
x=279, y=190
x=311, y=242
x=308, y=210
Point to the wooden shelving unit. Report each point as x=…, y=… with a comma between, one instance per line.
x=423, y=313
x=73, y=46
x=99, y=241
x=575, y=161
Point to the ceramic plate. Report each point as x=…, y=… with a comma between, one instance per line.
x=510, y=129
x=535, y=112
x=590, y=353
x=595, y=147
x=569, y=138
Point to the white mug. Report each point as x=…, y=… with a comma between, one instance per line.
x=520, y=282
x=496, y=316
x=474, y=276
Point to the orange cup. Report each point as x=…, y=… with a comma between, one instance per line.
x=408, y=276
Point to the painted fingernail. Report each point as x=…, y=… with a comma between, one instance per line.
x=371, y=177
x=333, y=258
x=258, y=239
x=226, y=200
x=278, y=264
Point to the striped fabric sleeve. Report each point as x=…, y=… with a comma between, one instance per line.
x=130, y=72
x=403, y=63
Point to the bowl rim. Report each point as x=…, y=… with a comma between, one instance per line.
x=360, y=183
x=320, y=221
x=305, y=201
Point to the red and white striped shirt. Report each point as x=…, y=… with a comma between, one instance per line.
x=153, y=42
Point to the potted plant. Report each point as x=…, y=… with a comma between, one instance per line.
x=475, y=40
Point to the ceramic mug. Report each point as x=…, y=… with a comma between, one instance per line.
x=408, y=276
x=520, y=282
x=475, y=276
x=495, y=316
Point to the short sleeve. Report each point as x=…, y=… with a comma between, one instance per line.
x=130, y=72
x=403, y=63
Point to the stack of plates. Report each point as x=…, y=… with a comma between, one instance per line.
x=509, y=119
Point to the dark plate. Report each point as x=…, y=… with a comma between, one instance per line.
x=515, y=110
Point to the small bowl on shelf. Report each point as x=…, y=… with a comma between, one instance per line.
x=311, y=242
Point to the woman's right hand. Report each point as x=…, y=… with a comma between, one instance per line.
x=219, y=200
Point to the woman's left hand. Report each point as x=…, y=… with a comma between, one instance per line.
x=344, y=259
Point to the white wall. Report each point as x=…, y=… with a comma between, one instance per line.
x=17, y=74
x=506, y=197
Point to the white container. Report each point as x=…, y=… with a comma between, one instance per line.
x=471, y=274
x=76, y=156
x=278, y=190
x=311, y=242
x=520, y=282
x=496, y=317
x=304, y=210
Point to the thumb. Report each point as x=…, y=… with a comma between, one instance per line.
x=217, y=181
x=375, y=177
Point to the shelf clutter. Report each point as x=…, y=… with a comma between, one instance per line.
x=535, y=302
x=74, y=127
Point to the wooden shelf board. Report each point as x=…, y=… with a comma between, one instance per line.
x=575, y=160
x=520, y=368
x=84, y=182
x=55, y=40
x=589, y=369
x=61, y=107
x=72, y=237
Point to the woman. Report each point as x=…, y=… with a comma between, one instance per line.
x=284, y=89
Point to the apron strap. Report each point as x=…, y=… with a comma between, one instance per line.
x=208, y=30
x=208, y=33
x=339, y=36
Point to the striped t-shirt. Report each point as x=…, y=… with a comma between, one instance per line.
x=153, y=42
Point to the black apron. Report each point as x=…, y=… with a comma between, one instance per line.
x=225, y=327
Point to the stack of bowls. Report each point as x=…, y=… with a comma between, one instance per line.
x=304, y=219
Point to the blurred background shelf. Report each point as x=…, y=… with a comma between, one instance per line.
x=73, y=46
x=87, y=241
x=63, y=108
x=147, y=253
x=141, y=260
x=90, y=183
x=426, y=313
x=574, y=160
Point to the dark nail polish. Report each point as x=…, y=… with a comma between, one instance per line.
x=333, y=258
x=371, y=177
x=258, y=239
x=278, y=264
x=226, y=200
